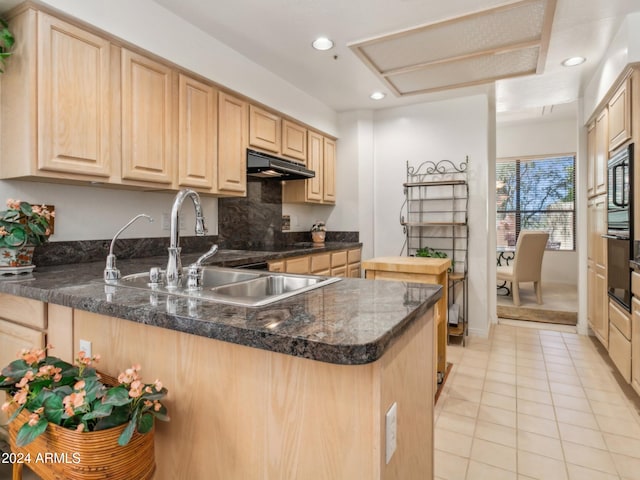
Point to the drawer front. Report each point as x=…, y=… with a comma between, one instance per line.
x=620, y=352
x=620, y=319
x=635, y=283
x=339, y=271
x=353, y=256
x=338, y=259
x=276, y=266
x=25, y=311
x=320, y=262
x=298, y=265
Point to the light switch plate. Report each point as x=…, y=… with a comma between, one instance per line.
x=391, y=428
x=85, y=346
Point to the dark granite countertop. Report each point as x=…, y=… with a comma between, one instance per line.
x=351, y=322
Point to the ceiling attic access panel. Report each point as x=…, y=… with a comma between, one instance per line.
x=502, y=42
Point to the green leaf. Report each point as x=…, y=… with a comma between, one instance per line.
x=25, y=208
x=28, y=434
x=156, y=395
x=161, y=414
x=99, y=411
x=16, y=369
x=126, y=435
x=16, y=238
x=53, y=409
x=118, y=416
x=146, y=423
x=117, y=396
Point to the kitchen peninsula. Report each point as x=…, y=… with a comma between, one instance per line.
x=296, y=389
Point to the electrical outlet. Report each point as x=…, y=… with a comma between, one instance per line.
x=391, y=428
x=85, y=346
x=166, y=222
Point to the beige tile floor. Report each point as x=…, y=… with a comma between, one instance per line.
x=531, y=403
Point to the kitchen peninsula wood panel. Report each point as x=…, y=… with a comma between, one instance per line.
x=252, y=413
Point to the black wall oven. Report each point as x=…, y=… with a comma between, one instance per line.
x=620, y=225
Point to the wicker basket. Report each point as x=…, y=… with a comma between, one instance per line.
x=63, y=454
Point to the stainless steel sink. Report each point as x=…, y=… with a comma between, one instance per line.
x=236, y=286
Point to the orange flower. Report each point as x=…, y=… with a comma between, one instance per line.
x=13, y=204
x=33, y=419
x=73, y=401
x=80, y=427
x=26, y=379
x=3, y=232
x=21, y=396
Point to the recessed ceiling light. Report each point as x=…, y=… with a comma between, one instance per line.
x=573, y=61
x=322, y=43
x=377, y=95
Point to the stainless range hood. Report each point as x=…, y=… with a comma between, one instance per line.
x=263, y=165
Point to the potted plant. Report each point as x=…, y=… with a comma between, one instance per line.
x=23, y=227
x=92, y=420
x=318, y=232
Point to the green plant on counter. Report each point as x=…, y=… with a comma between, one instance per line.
x=6, y=43
x=430, y=252
x=25, y=224
x=433, y=253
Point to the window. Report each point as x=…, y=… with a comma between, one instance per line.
x=536, y=194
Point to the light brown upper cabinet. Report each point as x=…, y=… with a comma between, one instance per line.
x=197, y=134
x=602, y=153
x=294, y=141
x=232, y=145
x=620, y=115
x=329, y=172
x=321, y=188
x=264, y=129
x=591, y=159
x=56, y=104
x=314, y=162
x=147, y=119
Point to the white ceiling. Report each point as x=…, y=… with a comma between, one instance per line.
x=277, y=34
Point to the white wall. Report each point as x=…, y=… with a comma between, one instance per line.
x=544, y=137
x=452, y=130
x=97, y=213
x=624, y=49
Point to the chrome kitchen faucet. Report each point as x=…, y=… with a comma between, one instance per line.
x=173, y=274
x=111, y=272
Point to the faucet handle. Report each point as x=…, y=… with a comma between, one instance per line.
x=194, y=271
x=206, y=256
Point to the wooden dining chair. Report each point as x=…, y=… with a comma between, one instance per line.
x=527, y=264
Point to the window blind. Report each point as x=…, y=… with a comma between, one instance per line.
x=536, y=194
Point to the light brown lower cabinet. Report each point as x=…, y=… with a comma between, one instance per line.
x=620, y=340
x=338, y=263
x=635, y=345
x=23, y=324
